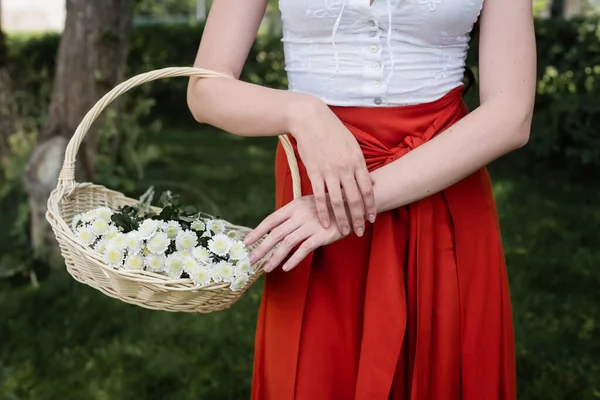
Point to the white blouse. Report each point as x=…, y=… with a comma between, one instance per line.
x=394, y=52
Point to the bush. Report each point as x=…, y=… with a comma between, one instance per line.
x=567, y=102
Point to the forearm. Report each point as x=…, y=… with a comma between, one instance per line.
x=487, y=133
x=242, y=108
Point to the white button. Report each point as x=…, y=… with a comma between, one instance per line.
x=372, y=33
x=377, y=100
x=372, y=23
x=376, y=66
x=374, y=49
x=376, y=83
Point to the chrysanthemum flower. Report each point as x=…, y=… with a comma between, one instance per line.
x=186, y=240
x=120, y=241
x=134, y=262
x=100, y=226
x=238, y=250
x=86, y=235
x=189, y=264
x=239, y=283
x=198, y=225
x=172, y=229
x=159, y=243
x=216, y=226
x=201, y=254
x=100, y=247
x=104, y=213
x=232, y=235
x=155, y=262
x=219, y=244
x=76, y=220
x=225, y=271
x=200, y=276
x=147, y=228
x=243, y=267
x=134, y=242
x=113, y=255
x=112, y=232
x=90, y=216
x=174, y=265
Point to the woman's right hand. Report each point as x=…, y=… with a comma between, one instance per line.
x=335, y=164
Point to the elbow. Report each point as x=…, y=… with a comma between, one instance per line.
x=194, y=101
x=522, y=130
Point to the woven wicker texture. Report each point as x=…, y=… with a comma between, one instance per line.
x=142, y=288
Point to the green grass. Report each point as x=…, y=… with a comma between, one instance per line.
x=67, y=341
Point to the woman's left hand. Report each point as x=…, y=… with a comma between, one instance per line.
x=295, y=224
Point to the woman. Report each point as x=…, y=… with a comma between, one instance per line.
x=415, y=303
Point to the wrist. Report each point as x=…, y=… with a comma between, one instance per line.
x=300, y=107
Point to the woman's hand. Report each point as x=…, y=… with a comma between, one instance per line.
x=295, y=224
x=335, y=164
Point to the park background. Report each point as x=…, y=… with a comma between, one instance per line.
x=62, y=340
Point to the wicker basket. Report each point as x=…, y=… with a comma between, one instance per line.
x=143, y=288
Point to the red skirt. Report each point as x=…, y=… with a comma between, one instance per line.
x=418, y=308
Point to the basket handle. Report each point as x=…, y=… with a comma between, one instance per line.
x=66, y=179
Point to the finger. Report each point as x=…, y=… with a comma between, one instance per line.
x=274, y=238
x=308, y=246
x=365, y=184
x=355, y=204
x=337, y=204
x=268, y=224
x=286, y=246
x=318, y=187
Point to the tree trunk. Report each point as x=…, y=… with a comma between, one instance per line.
x=91, y=60
x=8, y=117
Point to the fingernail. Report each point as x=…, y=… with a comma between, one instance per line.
x=267, y=267
x=359, y=232
x=345, y=230
x=252, y=258
x=326, y=223
x=371, y=218
x=247, y=240
x=286, y=267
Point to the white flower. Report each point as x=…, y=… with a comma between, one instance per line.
x=198, y=225
x=113, y=231
x=134, y=242
x=100, y=247
x=238, y=251
x=201, y=254
x=172, y=228
x=120, y=241
x=147, y=228
x=100, y=226
x=89, y=216
x=76, y=220
x=189, y=264
x=201, y=276
x=174, y=265
x=104, y=213
x=155, y=262
x=239, y=283
x=85, y=234
x=134, y=262
x=159, y=243
x=243, y=267
x=232, y=235
x=219, y=244
x=113, y=255
x=225, y=271
x=186, y=240
x=216, y=226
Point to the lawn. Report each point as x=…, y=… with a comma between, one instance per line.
x=67, y=341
